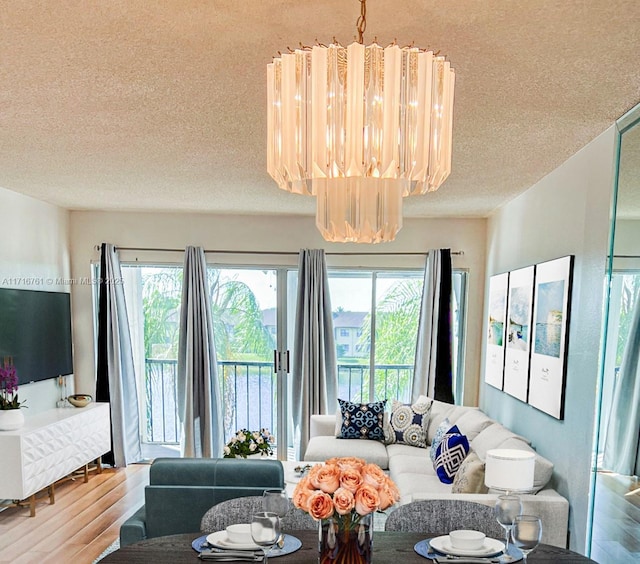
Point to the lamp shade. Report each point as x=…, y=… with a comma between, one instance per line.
x=509, y=470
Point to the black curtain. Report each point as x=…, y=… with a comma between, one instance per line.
x=102, y=376
x=432, y=375
x=444, y=378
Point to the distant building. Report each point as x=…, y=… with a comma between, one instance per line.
x=347, y=329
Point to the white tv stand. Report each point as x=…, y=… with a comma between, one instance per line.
x=50, y=446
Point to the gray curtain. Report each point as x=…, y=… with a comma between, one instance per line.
x=432, y=375
x=314, y=363
x=116, y=377
x=622, y=447
x=199, y=399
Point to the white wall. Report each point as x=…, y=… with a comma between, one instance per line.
x=567, y=212
x=262, y=233
x=34, y=256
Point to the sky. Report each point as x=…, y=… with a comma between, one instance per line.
x=351, y=293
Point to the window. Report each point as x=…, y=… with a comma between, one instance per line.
x=377, y=313
x=383, y=309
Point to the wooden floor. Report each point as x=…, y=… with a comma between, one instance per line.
x=82, y=523
x=616, y=520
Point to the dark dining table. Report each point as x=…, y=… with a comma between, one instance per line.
x=388, y=547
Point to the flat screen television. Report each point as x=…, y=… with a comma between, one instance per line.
x=35, y=331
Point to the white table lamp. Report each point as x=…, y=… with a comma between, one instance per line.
x=509, y=470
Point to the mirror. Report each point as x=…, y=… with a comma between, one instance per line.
x=615, y=521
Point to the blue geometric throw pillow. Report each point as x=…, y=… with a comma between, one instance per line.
x=442, y=429
x=362, y=420
x=409, y=423
x=451, y=452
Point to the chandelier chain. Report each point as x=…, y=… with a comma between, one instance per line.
x=361, y=24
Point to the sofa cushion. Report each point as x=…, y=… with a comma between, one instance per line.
x=325, y=425
x=409, y=423
x=470, y=476
x=415, y=464
x=493, y=436
x=440, y=411
x=322, y=448
x=362, y=420
x=472, y=422
x=397, y=449
x=443, y=428
x=451, y=452
x=411, y=483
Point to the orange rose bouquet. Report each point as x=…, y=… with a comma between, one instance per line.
x=346, y=489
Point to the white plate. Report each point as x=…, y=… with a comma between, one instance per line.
x=219, y=539
x=490, y=547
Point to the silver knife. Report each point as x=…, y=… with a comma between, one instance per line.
x=231, y=556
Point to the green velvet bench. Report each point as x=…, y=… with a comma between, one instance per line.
x=182, y=490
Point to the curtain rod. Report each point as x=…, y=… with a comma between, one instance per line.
x=214, y=251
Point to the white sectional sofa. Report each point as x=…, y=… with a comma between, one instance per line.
x=412, y=470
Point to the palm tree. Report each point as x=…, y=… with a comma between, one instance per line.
x=239, y=333
x=161, y=291
x=238, y=327
x=397, y=317
x=237, y=320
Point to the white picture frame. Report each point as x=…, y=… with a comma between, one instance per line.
x=496, y=330
x=550, y=336
x=518, y=332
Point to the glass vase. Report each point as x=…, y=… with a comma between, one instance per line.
x=346, y=539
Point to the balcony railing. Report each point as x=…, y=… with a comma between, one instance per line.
x=249, y=392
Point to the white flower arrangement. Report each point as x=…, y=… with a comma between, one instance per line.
x=246, y=442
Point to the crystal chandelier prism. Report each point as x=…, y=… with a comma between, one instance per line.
x=359, y=127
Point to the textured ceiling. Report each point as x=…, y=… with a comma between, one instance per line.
x=146, y=105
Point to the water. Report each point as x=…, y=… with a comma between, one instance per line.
x=496, y=329
x=547, y=339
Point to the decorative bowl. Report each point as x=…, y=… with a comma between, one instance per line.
x=466, y=539
x=80, y=400
x=239, y=533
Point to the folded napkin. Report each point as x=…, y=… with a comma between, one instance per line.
x=464, y=560
x=218, y=555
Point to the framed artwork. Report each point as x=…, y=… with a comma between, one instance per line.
x=550, y=338
x=496, y=330
x=518, y=332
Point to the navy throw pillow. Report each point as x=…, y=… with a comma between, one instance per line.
x=362, y=420
x=452, y=451
x=409, y=423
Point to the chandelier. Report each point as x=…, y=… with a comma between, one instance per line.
x=359, y=127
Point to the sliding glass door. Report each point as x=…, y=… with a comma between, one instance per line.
x=375, y=316
x=250, y=332
x=245, y=318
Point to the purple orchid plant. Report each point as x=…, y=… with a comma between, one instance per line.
x=9, y=387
